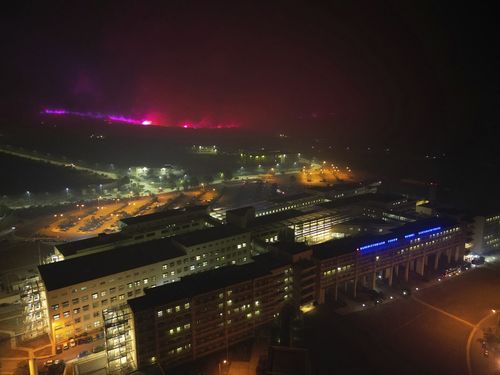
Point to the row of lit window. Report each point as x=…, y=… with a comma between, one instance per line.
x=179, y=329
x=177, y=350
x=170, y=310
x=338, y=270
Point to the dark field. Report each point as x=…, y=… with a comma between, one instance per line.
x=20, y=175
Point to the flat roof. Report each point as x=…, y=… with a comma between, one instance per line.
x=163, y=215
x=88, y=267
x=241, y=210
x=292, y=197
x=71, y=248
x=278, y=216
x=367, y=221
x=291, y=247
x=348, y=245
x=340, y=186
x=370, y=197
x=204, y=282
x=207, y=235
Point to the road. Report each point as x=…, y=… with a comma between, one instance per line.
x=427, y=334
x=48, y=160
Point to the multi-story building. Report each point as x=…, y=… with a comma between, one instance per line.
x=79, y=289
x=289, y=202
x=206, y=312
x=345, y=190
x=273, y=206
x=210, y=311
x=486, y=233
x=311, y=227
x=364, y=259
x=139, y=229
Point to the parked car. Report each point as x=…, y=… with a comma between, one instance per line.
x=59, y=349
x=72, y=343
x=97, y=349
x=83, y=353
x=84, y=340
x=65, y=346
x=48, y=363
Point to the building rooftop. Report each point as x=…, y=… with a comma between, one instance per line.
x=241, y=210
x=348, y=245
x=340, y=186
x=208, y=235
x=77, y=270
x=293, y=197
x=71, y=248
x=362, y=198
x=277, y=217
x=292, y=248
x=164, y=215
x=367, y=221
x=204, y=282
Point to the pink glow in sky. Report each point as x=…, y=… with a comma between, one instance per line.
x=202, y=124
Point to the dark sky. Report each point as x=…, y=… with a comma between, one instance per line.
x=384, y=69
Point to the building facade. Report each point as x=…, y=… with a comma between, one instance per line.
x=78, y=290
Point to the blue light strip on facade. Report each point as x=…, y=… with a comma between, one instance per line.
x=372, y=245
x=429, y=230
x=392, y=240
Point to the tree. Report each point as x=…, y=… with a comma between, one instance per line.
x=194, y=181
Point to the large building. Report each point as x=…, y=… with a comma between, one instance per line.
x=362, y=260
x=79, y=289
x=208, y=311
x=486, y=233
x=139, y=229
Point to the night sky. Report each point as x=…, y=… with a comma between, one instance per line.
x=386, y=69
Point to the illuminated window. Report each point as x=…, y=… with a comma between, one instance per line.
x=56, y=317
x=159, y=313
x=186, y=305
x=177, y=308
